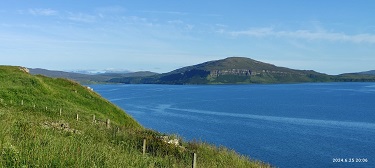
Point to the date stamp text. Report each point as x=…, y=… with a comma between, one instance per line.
x=349, y=160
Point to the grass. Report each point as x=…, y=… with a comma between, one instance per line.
x=32, y=135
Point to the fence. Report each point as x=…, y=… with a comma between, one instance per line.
x=95, y=120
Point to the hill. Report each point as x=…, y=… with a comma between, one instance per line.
x=372, y=72
x=82, y=78
x=232, y=70
x=367, y=76
x=54, y=122
x=354, y=77
x=87, y=78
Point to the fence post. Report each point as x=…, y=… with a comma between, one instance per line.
x=60, y=111
x=93, y=119
x=194, y=160
x=144, y=147
x=34, y=105
x=21, y=102
x=108, y=123
x=77, y=117
x=46, y=108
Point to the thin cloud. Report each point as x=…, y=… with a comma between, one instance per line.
x=221, y=25
x=306, y=34
x=166, y=12
x=43, y=12
x=181, y=23
x=175, y=22
x=211, y=15
x=135, y=19
x=180, y=13
x=111, y=9
x=81, y=17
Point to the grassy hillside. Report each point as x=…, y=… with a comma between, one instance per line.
x=34, y=134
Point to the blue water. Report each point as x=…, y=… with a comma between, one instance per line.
x=287, y=125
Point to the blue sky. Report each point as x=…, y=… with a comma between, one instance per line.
x=329, y=36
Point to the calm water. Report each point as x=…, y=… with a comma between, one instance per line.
x=291, y=125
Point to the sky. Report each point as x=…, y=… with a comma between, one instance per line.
x=328, y=36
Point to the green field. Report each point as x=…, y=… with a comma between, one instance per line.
x=34, y=134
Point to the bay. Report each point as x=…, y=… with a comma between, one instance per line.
x=287, y=125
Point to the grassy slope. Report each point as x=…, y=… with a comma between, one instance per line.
x=39, y=137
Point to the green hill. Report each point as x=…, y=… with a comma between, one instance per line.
x=33, y=132
x=232, y=70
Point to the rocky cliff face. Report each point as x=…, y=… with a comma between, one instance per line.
x=24, y=69
x=239, y=72
x=245, y=72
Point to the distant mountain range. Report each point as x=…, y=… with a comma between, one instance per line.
x=86, y=78
x=232, y=70
x=96, y=72
x=372, y=72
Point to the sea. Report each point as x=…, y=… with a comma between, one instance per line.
x=286, y=125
